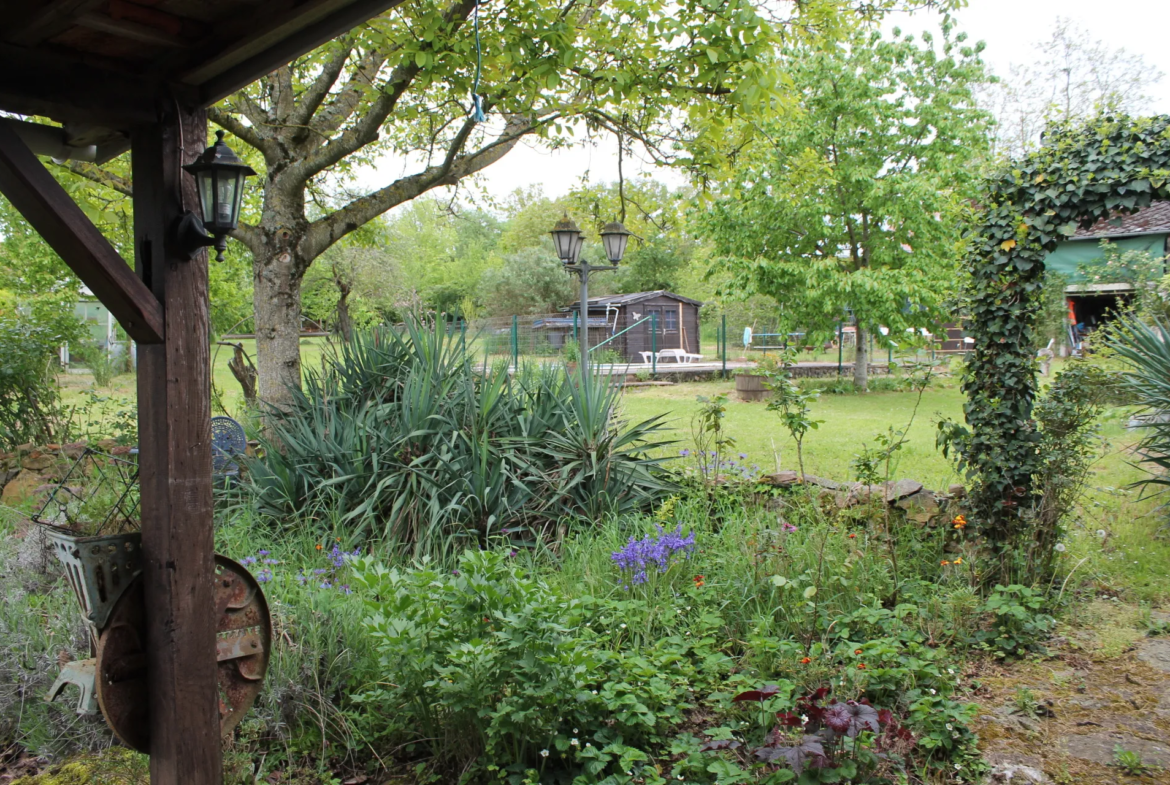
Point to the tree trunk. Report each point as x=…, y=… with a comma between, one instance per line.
x=861, y=363
x=277, y=307
x=344, y=324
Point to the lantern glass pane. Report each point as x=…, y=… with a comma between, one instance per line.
x=225, y=199
x=563, y=243
x=575, y=251
x=615, y=246
x=207, y=196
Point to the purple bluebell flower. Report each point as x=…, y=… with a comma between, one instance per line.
x=248, y=560
x=684, y=453
x=652, y=552
x=271, y=561
x=264, y=576
x=263, y=553
x=743, y=456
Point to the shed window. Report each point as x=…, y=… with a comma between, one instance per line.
x=670, y=321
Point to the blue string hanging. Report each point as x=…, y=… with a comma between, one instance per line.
x=477, y=99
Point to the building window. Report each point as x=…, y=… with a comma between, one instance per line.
x=670, y=322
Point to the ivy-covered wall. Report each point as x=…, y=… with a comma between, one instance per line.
x=1081, y=174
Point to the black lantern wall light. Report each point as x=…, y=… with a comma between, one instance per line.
x=219, y=174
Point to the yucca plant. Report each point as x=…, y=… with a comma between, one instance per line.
x=403, y=439
x=1144, y=347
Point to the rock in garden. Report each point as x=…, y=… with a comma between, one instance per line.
x=1017, y=773
x=73, y=450
x=920, y=507
x=1156, y=653
x=38, y=461
x=901, y=489
x=21, y=488
x=1098, y=748
x=956, y=491
x=782, y=479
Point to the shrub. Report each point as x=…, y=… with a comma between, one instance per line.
x=400, y=437
x=1019, y=624
x=30, y=403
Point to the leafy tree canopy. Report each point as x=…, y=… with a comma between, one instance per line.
x=853, y=201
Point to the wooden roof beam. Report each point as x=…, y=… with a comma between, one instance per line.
x=58, y=219
x=286, y=37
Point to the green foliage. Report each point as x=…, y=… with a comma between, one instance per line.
x=856, y=200
x=531, y=281
x=1131, y=763
x=792, y=403
x=1084, y=173
x=30, y=402
x=1019, y=624
x=710, y=437
x=404, y=439
x=1144, y=348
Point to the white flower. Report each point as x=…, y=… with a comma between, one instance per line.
x=1059, y=547
x=575, y=731
x=933, y=691
x=1100, y=532
x=595, y=692
x=949, y=726
x=803, y=719
x=623, y=626
x=588, y=744
x=951, y=671
x=574, y=742
x=544, y=753
x=958, y=766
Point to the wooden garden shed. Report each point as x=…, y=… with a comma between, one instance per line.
x=627, y=320
x=98, y=78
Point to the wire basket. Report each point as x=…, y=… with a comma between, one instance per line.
x=92, y=519
x=98, y=496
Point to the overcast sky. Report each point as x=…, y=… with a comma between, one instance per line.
x=1008, y=27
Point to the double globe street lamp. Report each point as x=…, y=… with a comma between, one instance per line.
x=568, y=241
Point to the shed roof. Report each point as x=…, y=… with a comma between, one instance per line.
x=636, y=297
x=105, y=64
x=1154, y=219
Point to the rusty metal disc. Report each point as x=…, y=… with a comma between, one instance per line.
x=243, y=645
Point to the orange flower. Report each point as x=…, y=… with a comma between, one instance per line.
x=958, y=561
x=944, y=562
x=698, y=579
x=320, y=546
x=861, y=666
x=853, y=536
x=805, y=661
x=857, y=651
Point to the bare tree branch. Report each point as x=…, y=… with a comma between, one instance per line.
x=328, y=230
x=230, y=123
x=311, y=99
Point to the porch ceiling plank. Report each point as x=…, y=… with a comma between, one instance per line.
x=48, y=20
x=133, y=31
x=35, y=82
x=58, y=219
x=287, y=37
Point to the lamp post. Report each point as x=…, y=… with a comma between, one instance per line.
x=568, y=241
x=219, y=174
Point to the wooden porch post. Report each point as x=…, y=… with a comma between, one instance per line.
x=174, y=412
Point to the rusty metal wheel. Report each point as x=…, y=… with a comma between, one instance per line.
x=243, y=645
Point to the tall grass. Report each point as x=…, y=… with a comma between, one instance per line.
x=401, y=438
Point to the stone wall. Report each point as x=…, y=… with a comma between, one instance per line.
x=31, y=470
